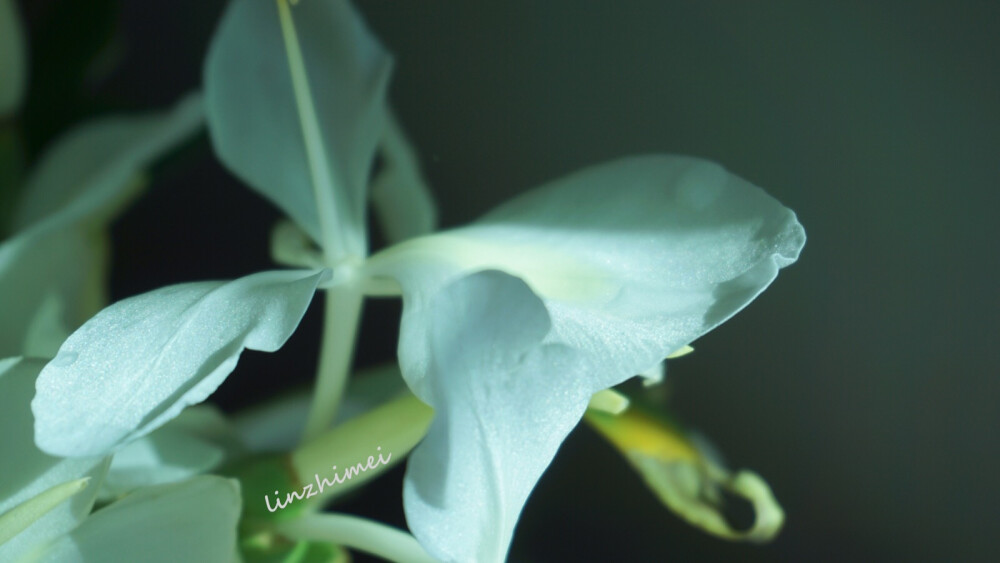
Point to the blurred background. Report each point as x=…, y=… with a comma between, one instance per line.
x=862, y=385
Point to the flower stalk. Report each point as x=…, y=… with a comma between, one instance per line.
x=342, y=313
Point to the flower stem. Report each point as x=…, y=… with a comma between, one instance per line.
x=343, y=310
x=356, y=533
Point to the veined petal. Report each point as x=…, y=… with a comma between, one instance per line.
x=634, y=258
x=139, y=362
x=13, y=59
x=503, y=404
x=254, y=116
x=194, y=520
x=28, y=472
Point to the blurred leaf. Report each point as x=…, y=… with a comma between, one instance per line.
x=13, y=59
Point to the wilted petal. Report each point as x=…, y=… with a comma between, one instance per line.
x=194, y=520
x=139, y=362
x=254, y=118
x=13, y=59
x=634, y=258
x=503, y=404
x=686, y=478
x=27, y=472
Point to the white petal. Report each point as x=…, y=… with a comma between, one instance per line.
x=81, y=183
x=253, y=118
x=400, y=195
x=164, y=456
x=48, y=278
x=634, y=258
x=13, y=59
x=194, y=520
x=139, y=362
x=503, y=404
x=28, y=472
x=89, y=171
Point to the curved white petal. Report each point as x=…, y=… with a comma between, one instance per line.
x=255, y=124
x=634, y=258
x=90, y=170
x=503, y=404
x=194, y=520
x=199, y=440
x=139, y=362
x=13, y=59
x=28, y=472
x=59, y=256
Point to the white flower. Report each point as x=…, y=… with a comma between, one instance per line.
x=510, y=324
x=46, y=502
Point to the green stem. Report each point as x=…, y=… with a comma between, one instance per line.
x=343, y=310
x=389, y=431
x=356, y=533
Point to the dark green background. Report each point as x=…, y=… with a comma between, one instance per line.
x=862, y=385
